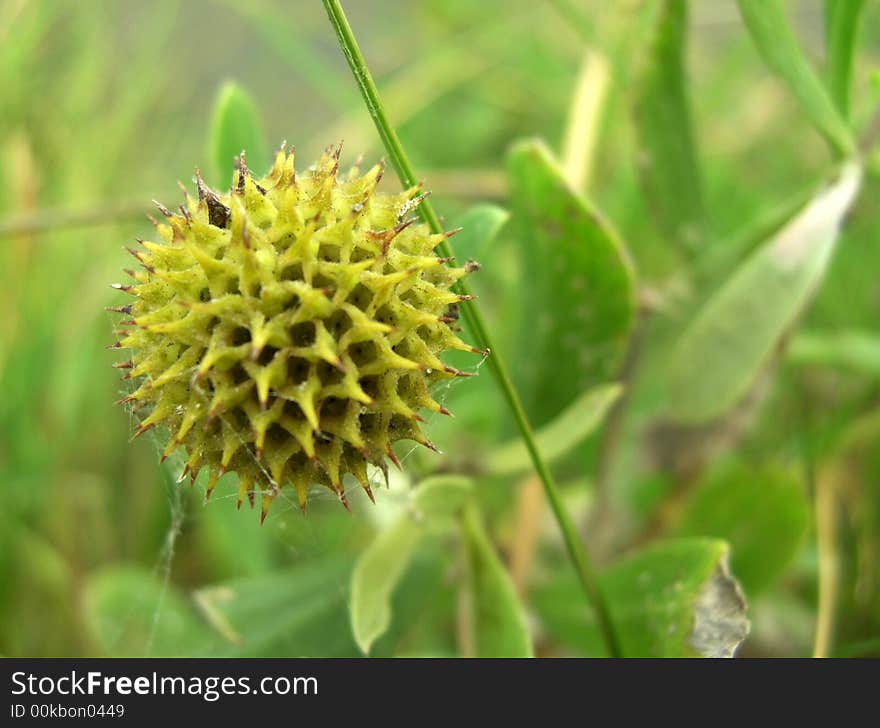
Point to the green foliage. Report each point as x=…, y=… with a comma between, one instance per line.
x=779, y=48
x=763, y=513
x=848, y=350
x=130, y=612
x=736, y=333
x=495, y=614
x=668, y=162
x=235, y=128
x=558, y=437
x=382, y=565
x=577, y=298
x=707, y=166
x=656, y=596
x=843, y=27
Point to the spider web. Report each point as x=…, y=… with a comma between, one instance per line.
x=283, y=504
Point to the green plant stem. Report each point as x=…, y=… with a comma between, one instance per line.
x=576, y=551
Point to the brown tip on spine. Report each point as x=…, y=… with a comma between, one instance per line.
x=263, y=515
x=123, y=364
x=142, y=429
x=417, y=417
x=120, y=309
x=369, y=493
x=472, y=266
x=251, y=497
x=466, y=297
x=122, y=287
x=125, y=400
x=129, y=272
x=341, y=494
x=444, y=411
x=430, y=445
x=454, y=231
x=393, y=458
x=161, y=208
x=115, y=345
x=457, y=372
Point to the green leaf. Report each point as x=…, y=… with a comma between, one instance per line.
x=779, y=48
x=377, y=572
x=294, y=612
x=480, y=226
x=236, y=127
x=668, y=157
x=577, y=286
x=855, y=351
x=843, y=26
x=130, y=614
x=381, y=566
x=738, y=329
x=496, y=615
x=762, y=512
x=441, y=495
x=673, y=599
x=557, y=438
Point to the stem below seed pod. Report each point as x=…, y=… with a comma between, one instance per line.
x=576, y=551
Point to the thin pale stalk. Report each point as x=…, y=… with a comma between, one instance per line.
x=477, y=325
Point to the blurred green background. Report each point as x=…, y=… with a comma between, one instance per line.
x=106, y=104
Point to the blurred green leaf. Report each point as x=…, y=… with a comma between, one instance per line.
x=779, y=48
x=300, y=611
x=577, y=286
x=441, y=495
x=762, y=512
x=856, y=351
x=735, y=334
x=375, y=575
x=668, y=158
x=558, y=437
x=131, y=614
x=496, y=615
x=236, y=127
x=383, y=563
x=249, y=553
x=843, y=18
x=674, y=599
x=480, y=226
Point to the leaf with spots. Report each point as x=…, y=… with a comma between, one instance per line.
x=577, y=287
x=674, y=599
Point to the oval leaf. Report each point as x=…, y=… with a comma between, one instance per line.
x=577, y=286
x=732, y=338
x=375, y=575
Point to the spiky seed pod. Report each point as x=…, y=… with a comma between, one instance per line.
x=290, y=330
